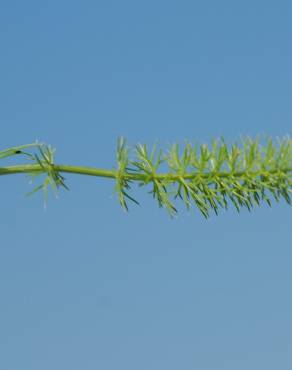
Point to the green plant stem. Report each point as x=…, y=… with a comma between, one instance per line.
x=99, y=172
x=208, y=177
x=37, y=169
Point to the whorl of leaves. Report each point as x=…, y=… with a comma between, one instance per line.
x=210, y=177
x=53, y=178
x=45, y=161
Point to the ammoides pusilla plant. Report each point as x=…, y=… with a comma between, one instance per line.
x=209, y=177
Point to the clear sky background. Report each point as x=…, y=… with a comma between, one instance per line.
x=87, y=286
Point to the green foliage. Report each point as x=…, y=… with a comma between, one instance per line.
x=122, y=182
x=53, y=178
x=17, y=150
x=209, y=177
x=45, y=161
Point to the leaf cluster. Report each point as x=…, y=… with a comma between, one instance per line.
x=210, y=177
x=53, y=179
x=44, y=158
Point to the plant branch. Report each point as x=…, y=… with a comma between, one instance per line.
x=101, y=172
x=206, y=176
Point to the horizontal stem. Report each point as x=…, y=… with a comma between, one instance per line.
x=98, y=172
x=36, y=168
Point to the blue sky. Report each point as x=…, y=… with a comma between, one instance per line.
x=85, y=285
